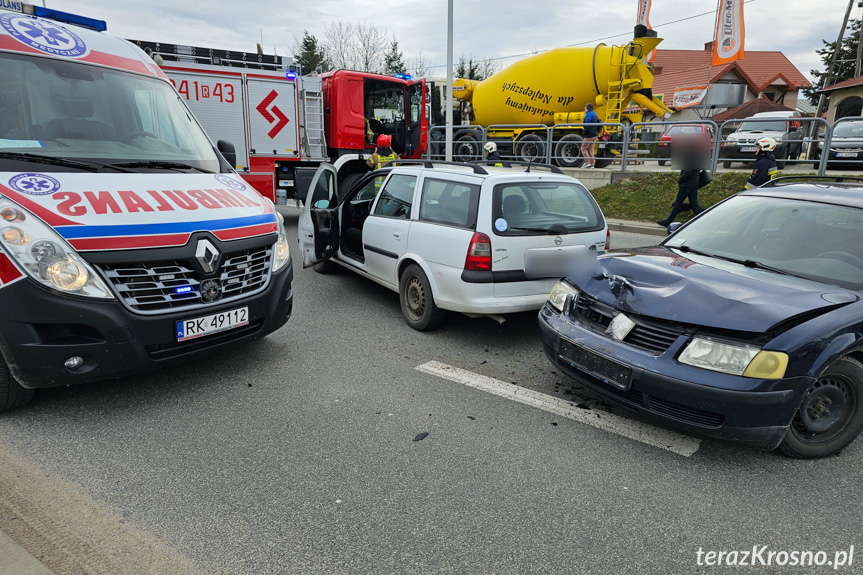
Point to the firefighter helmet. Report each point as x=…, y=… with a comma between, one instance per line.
x=766, y=144
x=490, y=147
x=384, y=141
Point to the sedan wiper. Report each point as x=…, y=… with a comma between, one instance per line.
x=88, y=165
x=160, y=165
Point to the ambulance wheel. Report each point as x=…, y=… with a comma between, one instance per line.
x=417, y=300
x=12, y=395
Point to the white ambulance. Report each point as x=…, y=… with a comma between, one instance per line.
x=127, y=241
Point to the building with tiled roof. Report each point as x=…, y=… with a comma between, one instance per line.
x=846, y=99
x=769, y=75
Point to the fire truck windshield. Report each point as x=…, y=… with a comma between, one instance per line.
x=72, y=110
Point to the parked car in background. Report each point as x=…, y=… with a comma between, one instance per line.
x=663, y=148
x=781, y=126
x=846, y=145
x=480, y=240
x=745, y=323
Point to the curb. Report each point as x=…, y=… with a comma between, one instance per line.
x=15, y=559
x=650, y=229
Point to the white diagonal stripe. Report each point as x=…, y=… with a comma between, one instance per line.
x=661, y=438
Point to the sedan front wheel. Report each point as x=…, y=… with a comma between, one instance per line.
x=831, y=413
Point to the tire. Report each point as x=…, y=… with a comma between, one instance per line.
x=780, y=164
x=466, y=149
x=567, y=151
x=12, y=395
x=417, y=300
x=602, y=162
x=726, y=164
x=530, y=148
x=830, y=415
x=662, y=162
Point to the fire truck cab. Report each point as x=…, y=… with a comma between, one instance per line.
x=284, y=124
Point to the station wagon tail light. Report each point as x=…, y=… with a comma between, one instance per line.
x=607, y=239
x=478, y=253
x=46, y=256
x=734, y=359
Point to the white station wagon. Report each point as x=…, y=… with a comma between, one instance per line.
x=477, y=239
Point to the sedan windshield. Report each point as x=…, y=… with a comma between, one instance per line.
x=805, y=239
x=774, y=126
x=73, y=111
x=848, y=130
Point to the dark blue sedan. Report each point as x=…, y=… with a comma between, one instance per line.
x=744, y=324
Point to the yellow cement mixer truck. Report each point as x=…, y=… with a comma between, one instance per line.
x=518, y=104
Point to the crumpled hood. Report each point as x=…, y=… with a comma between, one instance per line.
x=128, y=211
x=657, y=282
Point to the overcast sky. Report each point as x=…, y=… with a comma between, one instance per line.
x=502, y=29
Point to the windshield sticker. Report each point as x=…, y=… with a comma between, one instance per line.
x=231, y=182
x=34, y=184
x=500, y=225
x=21, y=144
x=43, y=36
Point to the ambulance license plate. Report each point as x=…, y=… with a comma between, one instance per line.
x=210, y=324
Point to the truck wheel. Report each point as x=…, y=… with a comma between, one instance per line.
x=12, y=395
x=830, y=415
x=417, y=300
x=602, y=162
x=530, y=148
x=726, y=164
x=466, y=149
x=662, y=162
x=567, y=152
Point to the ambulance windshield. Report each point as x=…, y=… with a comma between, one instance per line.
x=71, y=110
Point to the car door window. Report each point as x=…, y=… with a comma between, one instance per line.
x=450, y=203
x=369, y=190
x=396, y=198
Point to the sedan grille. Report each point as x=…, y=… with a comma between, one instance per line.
x=160, y=287
x=651, y=335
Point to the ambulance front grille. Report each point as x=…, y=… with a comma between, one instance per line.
x=167, y=286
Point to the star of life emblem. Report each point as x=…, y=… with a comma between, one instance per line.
x=34, y=184
x=44, y=36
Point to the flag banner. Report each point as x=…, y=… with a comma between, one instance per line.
x=728, y=43
x=644, y=13
x=688, y=96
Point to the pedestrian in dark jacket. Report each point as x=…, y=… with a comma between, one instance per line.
x=687, y=189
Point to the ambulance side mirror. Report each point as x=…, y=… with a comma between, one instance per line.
x=228, y=151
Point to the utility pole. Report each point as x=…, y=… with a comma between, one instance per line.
x=859, y=46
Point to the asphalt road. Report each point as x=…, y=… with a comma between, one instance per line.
x=303, y=453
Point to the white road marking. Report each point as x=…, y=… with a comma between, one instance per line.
x=661, y=438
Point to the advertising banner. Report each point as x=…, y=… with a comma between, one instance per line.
x=728, y=42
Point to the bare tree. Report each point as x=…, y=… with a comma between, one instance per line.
x=340, y=44
x=418, y=66
x=371, y=45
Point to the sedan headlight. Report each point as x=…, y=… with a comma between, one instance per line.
x=558, y=294
x=45, y=255
x=282, y=250
x=735, y=359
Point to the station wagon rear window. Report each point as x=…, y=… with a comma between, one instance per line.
x=450, y=203
x=532, y=208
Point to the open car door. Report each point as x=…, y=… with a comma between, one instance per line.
x=418, y=121
x=319, y=223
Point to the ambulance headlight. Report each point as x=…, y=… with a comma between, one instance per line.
x=45, y=256
x=282, y=249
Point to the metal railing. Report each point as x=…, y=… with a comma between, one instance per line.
x=642, y=143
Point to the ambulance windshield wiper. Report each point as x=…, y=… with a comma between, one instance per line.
x=161, y=165
x=88, y=165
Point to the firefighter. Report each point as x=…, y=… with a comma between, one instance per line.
x=765, y=164
x=491, y=153
x=383, y=153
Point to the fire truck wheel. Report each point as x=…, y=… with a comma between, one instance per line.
x=567, y=152
x=530, y=148
x=347, y=183
x=12, y=395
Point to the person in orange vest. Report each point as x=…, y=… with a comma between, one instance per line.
x=383, y=153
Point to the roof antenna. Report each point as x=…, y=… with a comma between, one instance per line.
x=529, y=164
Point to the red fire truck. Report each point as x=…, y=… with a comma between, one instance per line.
x=283, y=124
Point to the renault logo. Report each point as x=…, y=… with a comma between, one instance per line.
x=207, y=255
